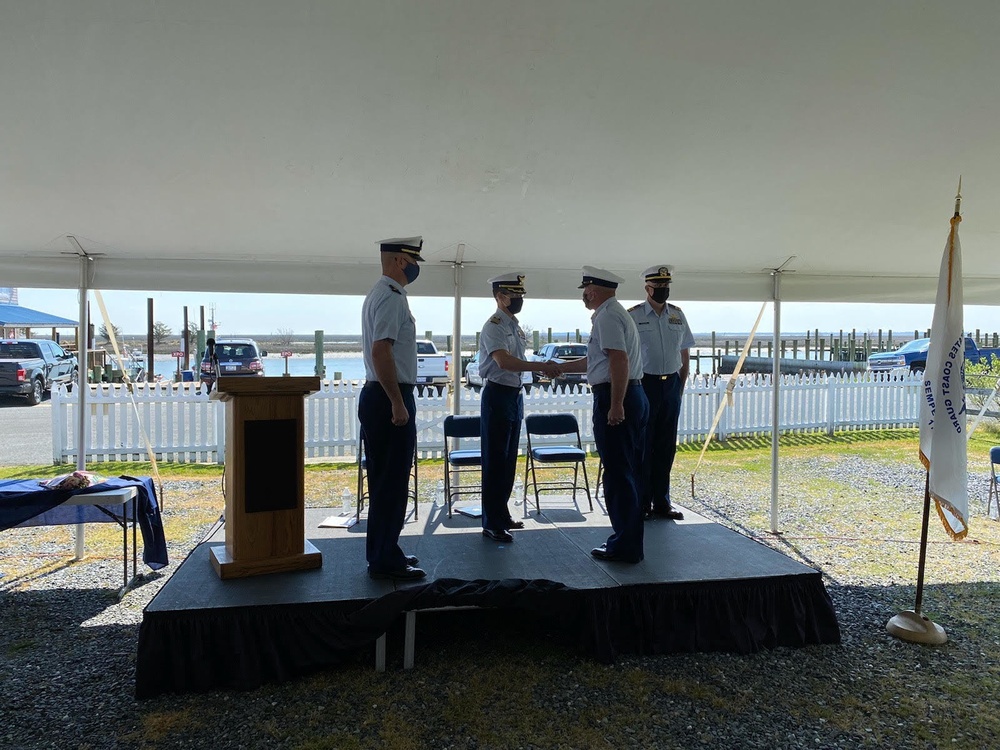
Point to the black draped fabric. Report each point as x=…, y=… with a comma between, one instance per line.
x=244, y=647
x=741, y=616
x=26, y=502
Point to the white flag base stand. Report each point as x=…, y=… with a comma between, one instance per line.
x=909, y=626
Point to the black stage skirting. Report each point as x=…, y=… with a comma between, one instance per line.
x=701, y=587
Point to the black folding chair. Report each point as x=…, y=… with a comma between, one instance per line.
x=464, y=460
x=548, y=456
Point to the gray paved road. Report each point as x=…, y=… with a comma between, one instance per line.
x=25, y=433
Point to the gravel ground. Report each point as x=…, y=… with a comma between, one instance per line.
x=68, y=649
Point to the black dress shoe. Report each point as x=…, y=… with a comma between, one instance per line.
x=411, y=560
x=601, y=553
x=673, y=515
x=498, y=536
x=515, y=525
x=406, y=573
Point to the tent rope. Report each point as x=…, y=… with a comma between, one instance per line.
x=728, y=400
x=130, y=387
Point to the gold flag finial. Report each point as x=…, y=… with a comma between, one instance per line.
x=958, y=197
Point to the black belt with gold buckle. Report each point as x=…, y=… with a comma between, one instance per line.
x=648, y=376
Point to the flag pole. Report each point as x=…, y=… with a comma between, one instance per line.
x=927, y=483
x=911, y=625
x=923, y=543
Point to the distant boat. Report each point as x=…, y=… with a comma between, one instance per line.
x=135, y=362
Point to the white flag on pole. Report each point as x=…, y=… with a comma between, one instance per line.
x=943, y=448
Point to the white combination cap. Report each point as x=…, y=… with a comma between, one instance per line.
x=508, y=282
x=600, y=277
x=657, y=273
x=409, y=245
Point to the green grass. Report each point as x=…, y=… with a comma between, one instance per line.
x=114, y=469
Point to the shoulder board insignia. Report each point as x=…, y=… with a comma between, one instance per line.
x=394, y=289
x=635, y=307
x=673, y=307
x=495, y=319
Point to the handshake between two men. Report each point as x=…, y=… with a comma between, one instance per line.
x=550, y=369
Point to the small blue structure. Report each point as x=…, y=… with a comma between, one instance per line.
x=15, y=316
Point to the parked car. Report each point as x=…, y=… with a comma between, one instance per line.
x=237, y=356
x=29, y=367
x=433, y=368
x=475, y=382
x=561, y=353
x=914, y=355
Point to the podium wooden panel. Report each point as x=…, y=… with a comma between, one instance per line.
x=265, y=477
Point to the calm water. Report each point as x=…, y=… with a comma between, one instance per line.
x=351, y=366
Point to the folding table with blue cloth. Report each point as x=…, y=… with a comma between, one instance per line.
x=27, y=502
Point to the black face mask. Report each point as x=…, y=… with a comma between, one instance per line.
x=411, y=272
x=515, y=305
x=660, y=294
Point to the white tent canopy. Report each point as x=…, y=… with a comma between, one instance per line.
x=250, y=145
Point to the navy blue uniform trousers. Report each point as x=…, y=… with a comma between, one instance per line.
x=621, y=448
x=501, y=413
x=389, y=458
x=664, y=398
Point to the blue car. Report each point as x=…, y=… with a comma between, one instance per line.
x=914, y=355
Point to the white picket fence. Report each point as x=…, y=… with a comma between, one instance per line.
x=184, y=426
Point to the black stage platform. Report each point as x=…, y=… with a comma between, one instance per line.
x=701, y=587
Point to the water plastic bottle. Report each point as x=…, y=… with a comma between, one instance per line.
x=439, y=494
x=346, y=501
x=518, y=491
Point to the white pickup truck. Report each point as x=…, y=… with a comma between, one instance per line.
x=433, y=368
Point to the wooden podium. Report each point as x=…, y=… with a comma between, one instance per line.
x=265, y=477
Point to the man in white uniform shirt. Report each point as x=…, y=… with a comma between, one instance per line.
x=614, y=370
x=501, y=362
x=386, y=407
x=666, y=345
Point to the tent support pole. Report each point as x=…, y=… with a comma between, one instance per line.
x=775, y=400
x=83, y=380
x=456, y=335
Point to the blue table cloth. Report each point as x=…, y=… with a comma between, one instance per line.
x=26, y=502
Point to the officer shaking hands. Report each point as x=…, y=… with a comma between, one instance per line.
x=666, y=342
x=386, y=407
x=614, y=370
x=501, y=357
